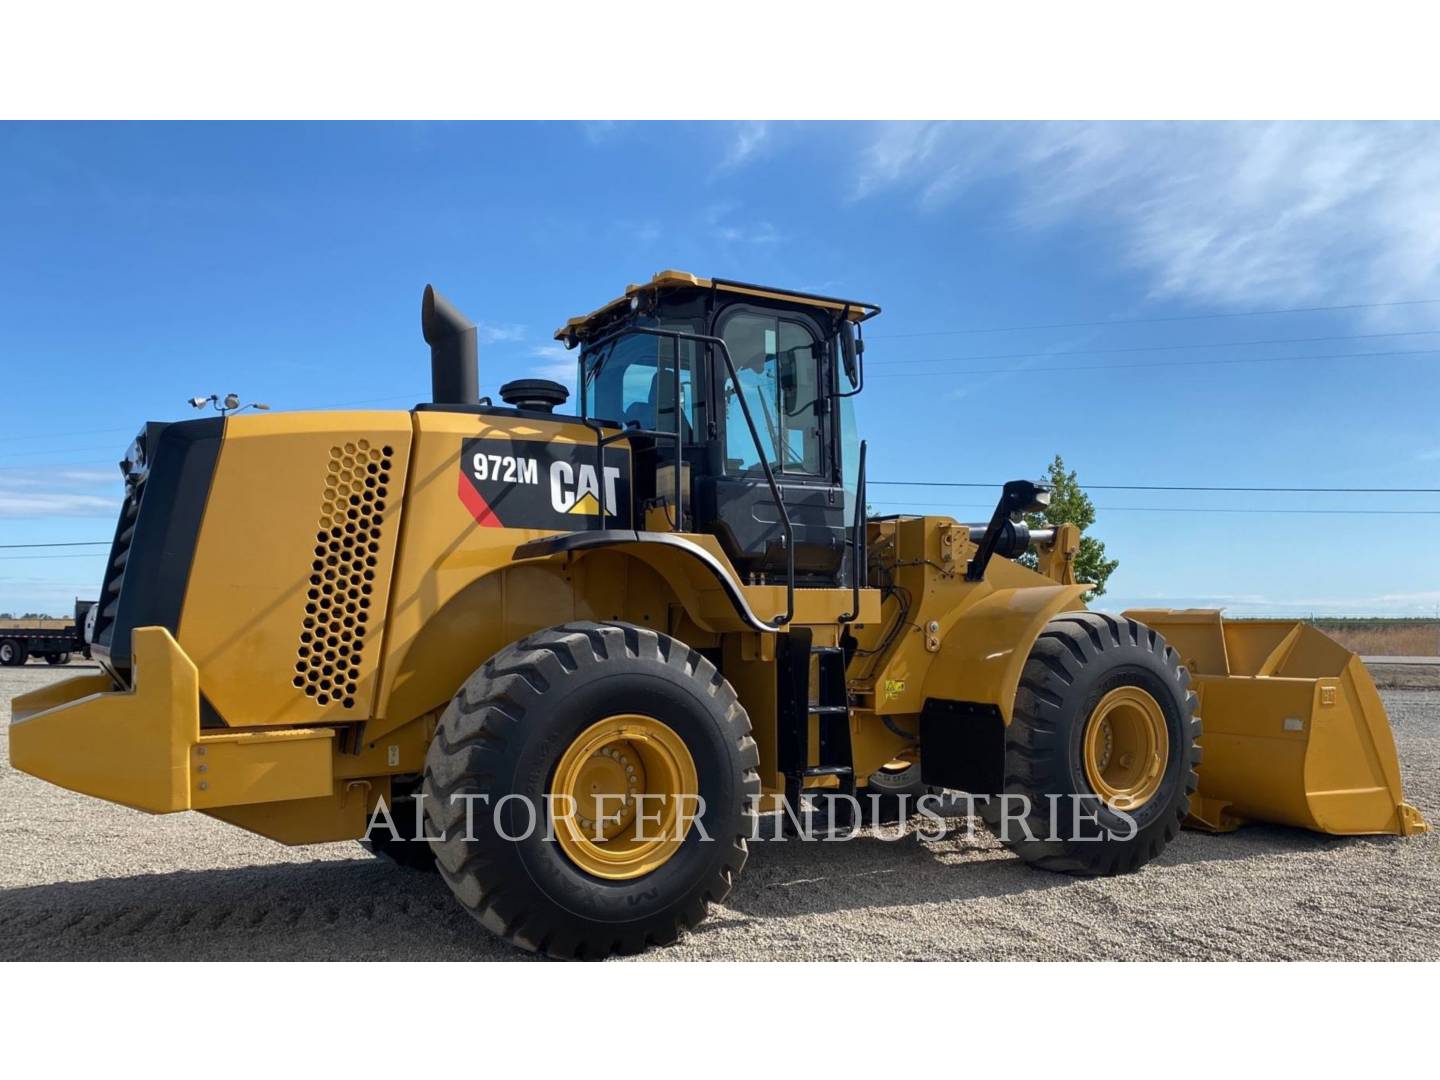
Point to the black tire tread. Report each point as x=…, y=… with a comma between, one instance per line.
x=405, y=851
x=1068, y=643
x=490, y=709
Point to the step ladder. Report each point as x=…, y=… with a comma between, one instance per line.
x=831, y=709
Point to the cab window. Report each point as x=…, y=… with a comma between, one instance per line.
x=630, y=382
x=777, y=362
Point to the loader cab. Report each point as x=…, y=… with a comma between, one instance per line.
x=742, y=387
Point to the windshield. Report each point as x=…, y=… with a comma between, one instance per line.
x=629, y=381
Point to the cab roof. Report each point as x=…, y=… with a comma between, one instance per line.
x=575, y=329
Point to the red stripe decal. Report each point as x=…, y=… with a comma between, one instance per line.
x=476, y=504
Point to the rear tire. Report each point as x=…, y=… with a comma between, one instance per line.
x=1081, y=664
x=406, y=850
x=510, y=730
x=12, y=653
x=57, y=658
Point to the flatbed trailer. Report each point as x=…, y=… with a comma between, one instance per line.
x=54, y=640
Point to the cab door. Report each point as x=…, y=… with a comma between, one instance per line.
x=784, y=372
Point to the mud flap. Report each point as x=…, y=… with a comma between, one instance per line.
x=1294, y=729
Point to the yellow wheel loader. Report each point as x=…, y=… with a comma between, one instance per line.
x=568, y=658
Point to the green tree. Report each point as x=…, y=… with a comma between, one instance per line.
x=1070, y=505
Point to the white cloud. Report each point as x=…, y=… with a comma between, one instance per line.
x=1230, y=214
x=897, y=153
x=90, y=476
x=761, y=232
x=597, y=131
x=493, y=333
x=556, y=362
x=746, y=141
x=59, y=493
x=55, y=504
x=720, y=220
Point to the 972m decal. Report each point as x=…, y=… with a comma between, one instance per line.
x=528, y=484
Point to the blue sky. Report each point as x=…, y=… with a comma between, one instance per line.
x=144, y=264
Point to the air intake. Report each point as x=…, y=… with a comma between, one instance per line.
x=454, y=367
x=342, y=579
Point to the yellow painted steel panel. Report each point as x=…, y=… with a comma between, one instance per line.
x=253, y=767
x=458, y=598
x=983, y=645
x=1295, y=732
x=288, y=592
x=143, y=747
x=129, y=746
x=343, y=814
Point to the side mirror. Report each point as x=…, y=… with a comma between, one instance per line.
x=849, y=355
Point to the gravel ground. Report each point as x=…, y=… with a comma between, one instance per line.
x=83, y=880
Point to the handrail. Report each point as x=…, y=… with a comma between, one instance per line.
x=787, y=530
x=859, y=557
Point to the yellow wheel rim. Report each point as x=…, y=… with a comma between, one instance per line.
x=624, y=796
x=1126, y=748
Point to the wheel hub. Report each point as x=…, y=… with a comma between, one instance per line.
x=1126, y=748
x=607, y=787
x=624, y=796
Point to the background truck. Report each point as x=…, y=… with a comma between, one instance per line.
x=57, y=640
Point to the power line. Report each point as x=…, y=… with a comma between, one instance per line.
x=1151, y=364
x=48, y=434
x=77, y=555
x=134, y=427
x=1090, y=487
x=1151, y=348
x=1178, y=487
x=97, y=466
x=1158, y=319
x=1173, y=509
x=60, y=543
x=75, y=449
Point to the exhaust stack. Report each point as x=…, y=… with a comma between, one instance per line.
x=454, y=366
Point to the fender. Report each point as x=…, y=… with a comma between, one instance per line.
x=986, y=643
x=689, y=569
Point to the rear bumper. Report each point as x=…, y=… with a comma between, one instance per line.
x=143, y=747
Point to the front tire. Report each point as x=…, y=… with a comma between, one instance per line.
x=893, y=792
x=57, y=658
x=1104, y=719
x=581, y=706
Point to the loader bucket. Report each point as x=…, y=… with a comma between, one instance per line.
x=1294, y=729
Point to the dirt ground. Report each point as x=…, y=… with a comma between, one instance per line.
x=85, y=880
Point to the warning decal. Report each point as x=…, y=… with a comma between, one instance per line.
x=533, y=484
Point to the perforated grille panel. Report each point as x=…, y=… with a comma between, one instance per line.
x=342, y=579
